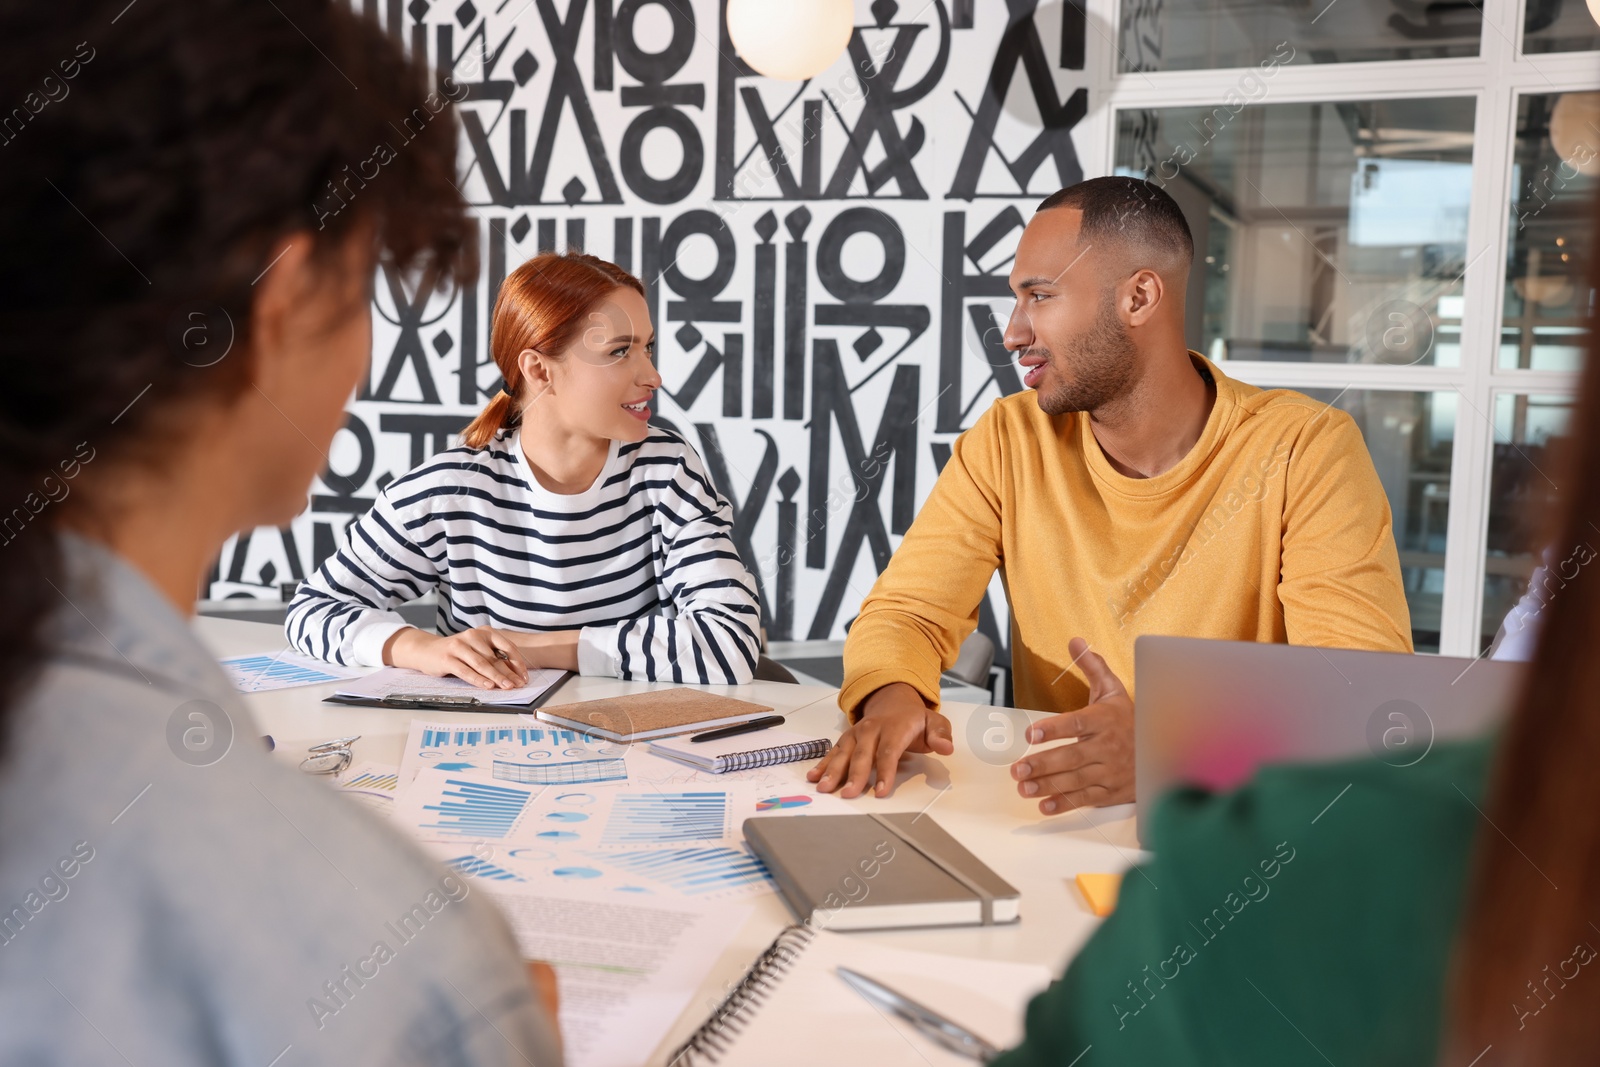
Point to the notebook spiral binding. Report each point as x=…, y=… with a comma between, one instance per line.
x=717, y=1033
x=767, y=757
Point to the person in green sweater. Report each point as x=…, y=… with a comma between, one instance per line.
x=1269, y=930
x=1361, y=914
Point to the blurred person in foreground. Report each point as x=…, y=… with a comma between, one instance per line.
x=184, y=310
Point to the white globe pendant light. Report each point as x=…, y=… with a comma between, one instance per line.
x=1575, y=130
x=1594, y=10
x=791, y=40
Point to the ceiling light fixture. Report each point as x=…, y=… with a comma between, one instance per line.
x=791, y=40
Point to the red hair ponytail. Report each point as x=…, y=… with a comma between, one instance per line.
x=542, y=305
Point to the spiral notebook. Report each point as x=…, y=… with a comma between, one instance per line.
x=792, y=1000
x=742, y=751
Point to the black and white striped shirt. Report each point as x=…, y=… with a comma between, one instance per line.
x=641, y=561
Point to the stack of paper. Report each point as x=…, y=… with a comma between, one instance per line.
x=263, y=672
x=625, y=969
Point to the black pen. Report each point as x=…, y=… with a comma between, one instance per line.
x=742, y=728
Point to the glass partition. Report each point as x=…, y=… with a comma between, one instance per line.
x=1555, y=168
x=1206, y=34
x=1528, y=436
x=1324, y=232
x=1558, y=26
x=1410, y=436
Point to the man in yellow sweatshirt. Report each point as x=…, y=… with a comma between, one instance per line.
x=1138, y=491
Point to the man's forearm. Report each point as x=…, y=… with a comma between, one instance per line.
x=883, y=651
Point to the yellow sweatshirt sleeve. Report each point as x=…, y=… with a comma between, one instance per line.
x=1340, y=586
x=926, y=601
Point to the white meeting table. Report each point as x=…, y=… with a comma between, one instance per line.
x=974, y=800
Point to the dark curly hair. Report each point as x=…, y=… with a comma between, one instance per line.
x=151, y=157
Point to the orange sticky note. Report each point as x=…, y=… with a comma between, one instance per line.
x=1100, y=890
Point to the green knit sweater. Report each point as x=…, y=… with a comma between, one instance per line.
x=1306, y=918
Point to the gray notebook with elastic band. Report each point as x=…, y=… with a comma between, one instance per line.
x=864, y=872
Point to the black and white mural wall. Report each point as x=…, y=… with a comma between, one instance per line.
x=826, y=261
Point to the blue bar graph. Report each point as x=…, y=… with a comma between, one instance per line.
x=693, y=870
x=571, y=772
x=254, y=674
x=368, y=780
x=483, y=869
x=536, y=755
x=477, y=810
x=653, y=818
x=473, y=736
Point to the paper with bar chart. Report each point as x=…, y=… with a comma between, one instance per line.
x=623, y=818
x=372, y=784
x=709, y=873
x=603, y=836
x=555, y=868
x=513, y=751
x=266, y=671
x=686, y=843
x=594, y=838
x=450, y=806
x=470, y=864
x=626, y=818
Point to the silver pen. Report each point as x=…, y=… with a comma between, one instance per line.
x=936, y=1027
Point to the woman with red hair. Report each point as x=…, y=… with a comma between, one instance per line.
x=565, y=531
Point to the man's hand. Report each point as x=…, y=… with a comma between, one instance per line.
x=894, y=721
x=484, y=656
x=1096, y=771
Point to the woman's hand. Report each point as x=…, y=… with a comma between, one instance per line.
x=484, y=656
x=557, y=649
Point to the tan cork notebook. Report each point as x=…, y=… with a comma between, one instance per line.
x=658, y=713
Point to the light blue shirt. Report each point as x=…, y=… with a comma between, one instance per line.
x=170, y=895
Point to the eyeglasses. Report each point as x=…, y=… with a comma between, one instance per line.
x=330, y=757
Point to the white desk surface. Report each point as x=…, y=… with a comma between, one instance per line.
x=973, y=800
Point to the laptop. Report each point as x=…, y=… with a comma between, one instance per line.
x=1211, y=712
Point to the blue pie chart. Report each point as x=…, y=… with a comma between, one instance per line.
x=568, y=816
x=530, y=854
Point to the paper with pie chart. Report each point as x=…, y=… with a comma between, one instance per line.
x=641, y=842
x=715, y=872
x=467, y=805
x=791, y=804
x=627, y=818
x=619, y=818
x=685, y=842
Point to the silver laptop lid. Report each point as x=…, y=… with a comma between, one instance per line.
x=1210, y=712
